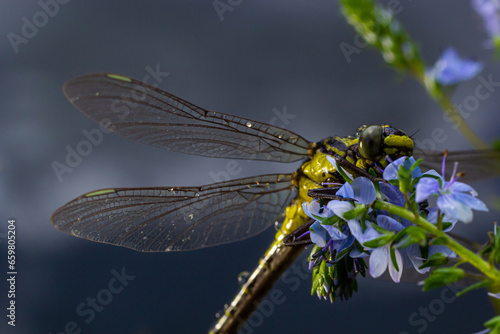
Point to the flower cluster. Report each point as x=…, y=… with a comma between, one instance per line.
x=347, y=231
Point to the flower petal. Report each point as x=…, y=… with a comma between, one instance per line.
x=391, y=171
x=340, y=245
x=334, y=232
x=432, y=172
x=494, y=295
x=396, y=274
x=355, y=253
x=315, y=210
x=415, y=256
x=379, y=259
x=489, y=12
x=389, y=223
x=359, y=234
x=340, y=207
x=426, y=187
x=318, y=234
x=364, y=191
x=345, y=191
x=433, y=249
x=454, y=208
x=471, y=202
x=392, y=193
x=462, y=187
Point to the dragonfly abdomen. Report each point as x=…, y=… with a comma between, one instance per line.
x=256, y=288
x=276, y=260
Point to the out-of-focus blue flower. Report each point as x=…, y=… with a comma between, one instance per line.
x=451, y=69
x=489, y=11
x=455, y=199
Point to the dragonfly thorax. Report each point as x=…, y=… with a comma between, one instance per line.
x=374, y=144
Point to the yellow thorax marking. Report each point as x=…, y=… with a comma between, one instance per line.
x=398, y=141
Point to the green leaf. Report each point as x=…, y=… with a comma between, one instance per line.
x=435, y=260
x=331, y=220
x=314, y=250
x=497, y=237
x=493, y=322
x=446, y=225
x=393, y=258
x=381, y=230
x=443, y=276
x=394, y=182
x=404, y=177
x=416, y=164
x=478, y=285
x=414, y=235
x=356, y=212
x=439, y=241
x=435, y=177
x=380, y=241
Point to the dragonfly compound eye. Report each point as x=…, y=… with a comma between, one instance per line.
x=371, y=142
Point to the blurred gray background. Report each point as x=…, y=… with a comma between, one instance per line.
x=263, y=56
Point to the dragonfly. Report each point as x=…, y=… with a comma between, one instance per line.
x=167, y=219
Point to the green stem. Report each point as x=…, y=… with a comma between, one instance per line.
x=495, y=302
x=460, y=250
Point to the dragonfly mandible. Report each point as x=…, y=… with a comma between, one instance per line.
x=162, y=219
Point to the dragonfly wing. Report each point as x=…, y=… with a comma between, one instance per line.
x=179, y=218
x=476, y=164
x=146, y=114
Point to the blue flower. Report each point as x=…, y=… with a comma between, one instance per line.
x=450, y=69
x=361, y=190
x=380, y=258
x=489, y=10
x=326, y=234
x=455, y=199
x=391, y=171
x=322, y=234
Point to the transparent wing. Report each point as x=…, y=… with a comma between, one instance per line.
x=181, y=218
x=144, y=113
x=476, y=165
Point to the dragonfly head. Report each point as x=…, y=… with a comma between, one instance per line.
x=376, y=142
